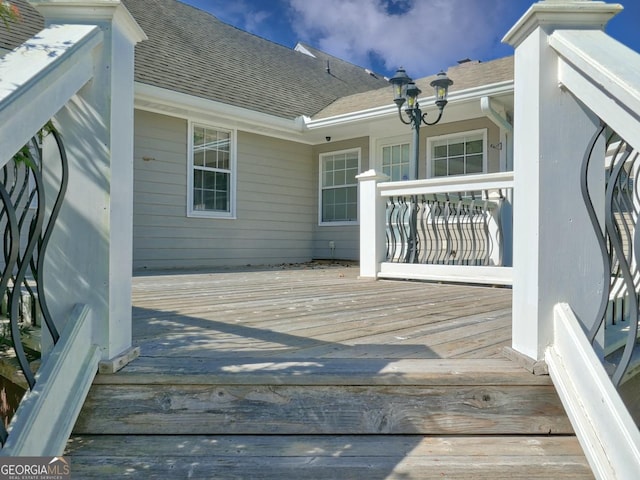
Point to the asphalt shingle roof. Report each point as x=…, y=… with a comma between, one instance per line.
x=29, y=24
x=192, y=52
x=466, y=75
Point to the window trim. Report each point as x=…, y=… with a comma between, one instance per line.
x=191, y=212
x=321, y=158
x=431, y=140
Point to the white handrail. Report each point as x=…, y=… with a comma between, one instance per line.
x=604, y=74
x=38, y=78
x=462, y=183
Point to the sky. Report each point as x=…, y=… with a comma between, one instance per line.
x=423, y=36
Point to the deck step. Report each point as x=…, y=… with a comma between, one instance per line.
x=327, y=457
x=324, y=419
x=427, y=397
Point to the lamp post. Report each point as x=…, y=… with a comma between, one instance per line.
x=406, y=91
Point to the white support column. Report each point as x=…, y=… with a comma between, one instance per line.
x=372, y=224
x=91, y=249
x=555, y=255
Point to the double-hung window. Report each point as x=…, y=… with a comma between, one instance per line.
x=211, y=172
x=457, y=154
x=339, y=187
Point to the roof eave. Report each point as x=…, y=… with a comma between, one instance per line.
x=182, y=105
x=461, y=96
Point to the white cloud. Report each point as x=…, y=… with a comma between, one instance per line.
x=424, y=37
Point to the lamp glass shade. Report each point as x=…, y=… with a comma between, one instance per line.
x=412, y=95
x=399, y=83
x=441, y=86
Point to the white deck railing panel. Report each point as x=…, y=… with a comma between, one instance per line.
x=38, y=78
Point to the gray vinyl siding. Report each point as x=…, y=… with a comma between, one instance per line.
x=346, y=238
x=276, y=204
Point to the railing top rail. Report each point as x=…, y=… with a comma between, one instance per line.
x=39, y=77
x=604, y=74
x=462, y=183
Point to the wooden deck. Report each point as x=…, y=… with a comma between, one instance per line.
x=307, y=372
x=315, y=311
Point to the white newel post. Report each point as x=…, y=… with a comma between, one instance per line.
x=90, y=253
x=372, y=224
x=555, y=255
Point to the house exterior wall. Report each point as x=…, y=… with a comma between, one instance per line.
x=346, y=238
x=276, y=202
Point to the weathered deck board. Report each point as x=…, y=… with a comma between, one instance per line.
x=238, y=368
x=313, y=457
x=327, y=371
x=285, y=409
x=315, y=313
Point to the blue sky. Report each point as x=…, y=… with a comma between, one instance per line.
x=424, y=36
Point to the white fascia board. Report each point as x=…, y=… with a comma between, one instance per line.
x=182, y=105
x=427, y=105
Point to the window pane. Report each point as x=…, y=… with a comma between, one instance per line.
x=474, y=164
x=222, y=201
x=197, y=200
x=340, y=177
x=340, y=195
x=396, y=173
x=405, y=153
x=456, y=166
x=197, y=178
x=209, y=200
x=405, y=172
x=352, y=195
x=386, y=156
x=351, y=176
x=440, y=168
x=474, y=146
x=339, y=163
x=198, y=157
x=456, y=149
x=440, y=151
x=209, y=180
x=198, y=136
x=352, y=212
x=352, y=163
x=223, y=160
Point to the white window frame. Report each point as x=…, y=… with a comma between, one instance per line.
x=321, y=159
x=233, y=155
x=457, y=135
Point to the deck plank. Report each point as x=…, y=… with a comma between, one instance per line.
x=298, y=312
x=315, y=457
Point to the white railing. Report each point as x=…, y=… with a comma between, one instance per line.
x=576, y=89
x=454, y=229
x=605, y=76
x=36, y=81
x=66, y=74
